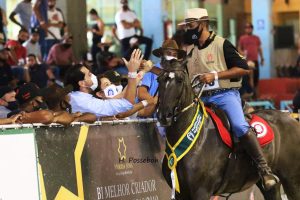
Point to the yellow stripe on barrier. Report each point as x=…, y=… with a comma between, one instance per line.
x=65, y=194
x=42, y=183
x=77, y=155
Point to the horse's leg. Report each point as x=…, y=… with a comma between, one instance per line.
x=291, y=188
x=273, y=194
x=201, y=194
x=179, y=197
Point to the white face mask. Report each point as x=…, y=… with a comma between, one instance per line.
x=112, y=90
x=119, y=88
x=95, y=82
x=170, y=58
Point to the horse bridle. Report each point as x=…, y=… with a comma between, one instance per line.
x=196, y=100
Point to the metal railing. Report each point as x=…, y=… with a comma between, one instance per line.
x=97, y=123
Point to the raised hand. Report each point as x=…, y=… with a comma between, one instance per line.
x=135, y=60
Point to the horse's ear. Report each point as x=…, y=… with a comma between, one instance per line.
x=184, y=64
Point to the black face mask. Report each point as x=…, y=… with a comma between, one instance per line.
x=14, y=105
x=21, y=41
x=40, y=106
x=191, y=36
x=51, y=7
x=67, y=45
x=125, y=7
x=106, y=48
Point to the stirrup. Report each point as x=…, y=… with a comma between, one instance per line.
x=273, y=181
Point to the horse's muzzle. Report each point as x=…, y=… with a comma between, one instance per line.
x=165, y=120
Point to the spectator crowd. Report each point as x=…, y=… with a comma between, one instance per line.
x=41, y=81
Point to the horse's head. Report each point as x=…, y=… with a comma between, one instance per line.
x=175, y=91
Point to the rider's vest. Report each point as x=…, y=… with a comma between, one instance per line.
x=211, y=59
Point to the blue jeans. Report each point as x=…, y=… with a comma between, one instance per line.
x=48, y=44
x=230, y=103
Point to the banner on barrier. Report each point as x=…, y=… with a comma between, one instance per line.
x=84, y=162
x=101, y=162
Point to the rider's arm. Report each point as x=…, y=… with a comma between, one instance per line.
x=156, y=70
x=236, y=64
x=234, y=72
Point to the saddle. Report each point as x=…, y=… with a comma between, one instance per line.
x=264, y=132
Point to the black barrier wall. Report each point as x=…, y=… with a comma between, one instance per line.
x=102, y=162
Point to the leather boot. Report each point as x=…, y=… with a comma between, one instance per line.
x=252, y=147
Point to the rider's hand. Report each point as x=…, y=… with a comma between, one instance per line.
x=135, y=60
x=207, y=78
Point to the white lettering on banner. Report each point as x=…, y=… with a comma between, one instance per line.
x=126, y=189
x=143, y=187
x=114, y=191
x=149, y=198
x=100, y=193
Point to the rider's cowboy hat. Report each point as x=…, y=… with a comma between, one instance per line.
x=195, y=14
x=169, y=45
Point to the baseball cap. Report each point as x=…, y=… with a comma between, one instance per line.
x=27, y=92
x=113, y=76
x=55, y=94
x=35, y=30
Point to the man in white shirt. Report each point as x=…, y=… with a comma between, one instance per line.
x=55, y=24
x=83, y=82
x=127, y=24
x=32, y=45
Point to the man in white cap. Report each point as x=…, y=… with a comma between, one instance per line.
x=216, y=62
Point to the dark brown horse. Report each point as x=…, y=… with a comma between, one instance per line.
x=203, y=172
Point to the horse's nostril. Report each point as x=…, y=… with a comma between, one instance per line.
x=169, y=115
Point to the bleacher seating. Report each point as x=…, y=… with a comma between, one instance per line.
x=278, y=89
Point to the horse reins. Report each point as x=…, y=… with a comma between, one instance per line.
x=195, y=101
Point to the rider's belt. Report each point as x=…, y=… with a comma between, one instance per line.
x=210, y=93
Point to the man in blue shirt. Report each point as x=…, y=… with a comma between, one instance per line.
x=83, y=82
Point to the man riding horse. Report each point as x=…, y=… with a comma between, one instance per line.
x=216, y=62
